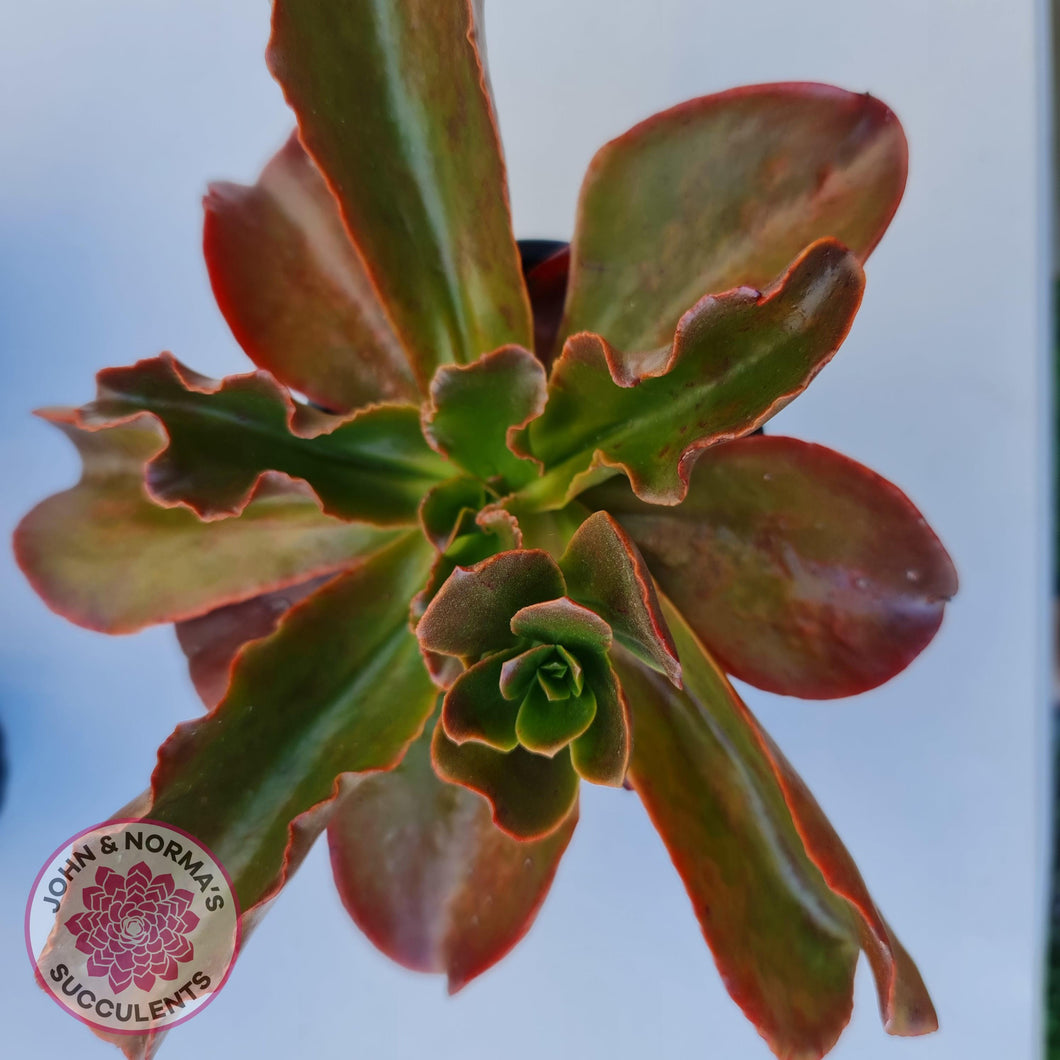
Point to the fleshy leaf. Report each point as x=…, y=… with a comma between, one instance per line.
x=605, y=572
x=546, y=725
x=736, y=359
x=429, y=878
x=475, y=709
x=519, y=672
x=724, y=191
x=562, y=622
x=212, y=641
x=294, y=289
x=473, y=408
x=393, y=105
x=802, y=571
x=339, y=687
x=373, y=466
x=103, y=555
x=785, y=941
x=471, y=613
x=449, y=510
x=531, y=795
x=601, y=754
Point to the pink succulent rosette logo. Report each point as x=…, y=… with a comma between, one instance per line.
x=135, y=927
x=132, y=926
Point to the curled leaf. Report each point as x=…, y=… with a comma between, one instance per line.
x=105, y=556
x=736, y=359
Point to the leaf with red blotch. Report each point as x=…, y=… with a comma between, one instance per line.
x=723, y=191
x=393, y=104
x=295, y=291
x=736, y=359
x=372, y=466
x=802, y=571
x=429, y=878
x=103, y=555
x=776, y=894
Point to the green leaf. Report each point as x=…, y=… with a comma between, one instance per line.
x=736, y=360
x=429, y=878
x=471, y=613
x=724, y=191
x=338, y=688
x=761, y=868
x=103, y=555
x=605, y=572
x=392, y=104
x=563, y=622
x=802, y=571
x=294, y=289
x=601, y=754
x=373, y=466
x=531, y=795
x=545, y=725
x=474, y=408
x=520, y=672
x=475, y=709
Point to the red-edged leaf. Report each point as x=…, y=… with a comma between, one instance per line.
x=338, y=688
x=724, y=191
x=601, y=754
x=474, y=408
x=803, y=572
x=531, y=795
x=736, y=359
x=429, y=878
x=760, y=867
x=546, y=725
x=103, y=555
x=605, y=572
x=294, y=289
x=392, y=104
x=471, y=613
x=212, y=641
x=373, y=466
x=475, y=708
x=563, y=622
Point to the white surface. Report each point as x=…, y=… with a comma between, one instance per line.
x=114, y=115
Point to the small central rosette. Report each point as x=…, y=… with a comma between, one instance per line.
x=537, y=704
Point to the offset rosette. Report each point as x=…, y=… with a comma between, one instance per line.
x=538, y=705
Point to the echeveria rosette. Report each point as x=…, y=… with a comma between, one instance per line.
x=521, y=527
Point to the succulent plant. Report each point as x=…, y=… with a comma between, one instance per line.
x=472, y=533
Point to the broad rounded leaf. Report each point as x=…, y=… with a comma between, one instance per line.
x=373, y=466
x=475, y=709
x=429, y=878
x=546, y=725
x=105, y=556
x=783, y=933
x=471, y=614
x=474, y=408
x=724, y=191
x=736, y=359
x=294, y=289
x=338, y=688
x=393, y=106
x=605, y=572
x=563, y=622
x=531, y=795
x=601, y=754
x=802, y=571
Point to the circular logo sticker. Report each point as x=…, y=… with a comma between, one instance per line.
x=132, y=926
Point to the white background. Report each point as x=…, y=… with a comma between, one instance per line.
x=114, y=114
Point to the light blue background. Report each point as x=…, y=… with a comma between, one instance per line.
x=115, y=113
